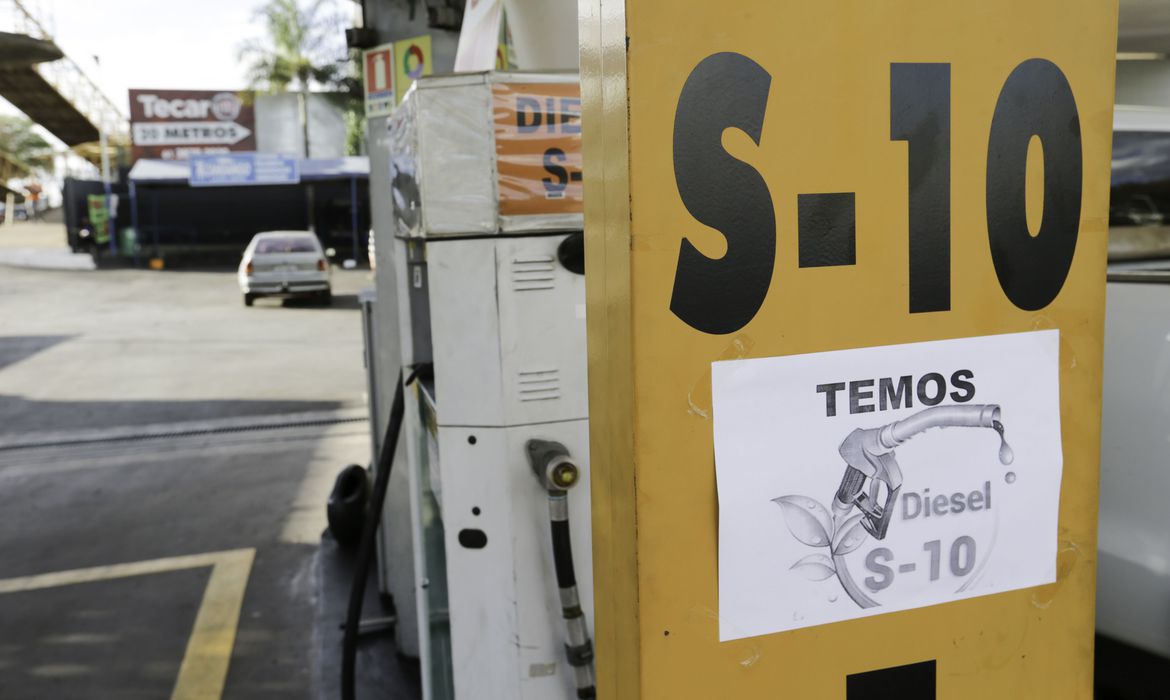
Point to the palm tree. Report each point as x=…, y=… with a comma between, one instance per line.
x=303, y=47
x=21, y=143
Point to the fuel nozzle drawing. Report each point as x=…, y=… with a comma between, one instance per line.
x=872, y=469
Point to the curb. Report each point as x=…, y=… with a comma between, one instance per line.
x=47, y=259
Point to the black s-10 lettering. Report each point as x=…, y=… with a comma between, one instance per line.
x=730, y=91
x=1036, y=101
x=721, y=295
x=920, y=115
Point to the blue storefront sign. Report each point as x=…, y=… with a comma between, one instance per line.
x=231, y=169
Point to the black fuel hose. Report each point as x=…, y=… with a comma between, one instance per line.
x=357, y=591
x=579, y=648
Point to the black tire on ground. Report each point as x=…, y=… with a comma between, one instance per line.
x=248, y=299
x=346, y=508
x=325, y=297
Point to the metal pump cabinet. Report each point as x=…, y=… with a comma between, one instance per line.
x=483, y=294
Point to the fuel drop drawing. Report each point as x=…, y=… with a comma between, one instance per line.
x=870, y=462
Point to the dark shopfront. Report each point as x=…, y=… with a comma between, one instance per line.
x=179, y=223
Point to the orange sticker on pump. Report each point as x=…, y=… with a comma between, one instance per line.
x=538, y=147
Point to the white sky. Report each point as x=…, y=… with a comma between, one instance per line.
x=160, y=44
x=155, y=43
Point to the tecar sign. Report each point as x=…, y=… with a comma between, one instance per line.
x=173, y=124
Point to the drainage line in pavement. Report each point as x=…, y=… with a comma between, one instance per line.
x=184, y=433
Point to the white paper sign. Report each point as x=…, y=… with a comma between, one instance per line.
x=859, y=482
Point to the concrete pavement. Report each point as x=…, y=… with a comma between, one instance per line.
x=38, y=245
x=127, y=343
x=165, y=455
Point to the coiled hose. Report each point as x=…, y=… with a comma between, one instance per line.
x=357, y=590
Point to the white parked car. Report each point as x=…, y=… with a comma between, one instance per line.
x=285, y=264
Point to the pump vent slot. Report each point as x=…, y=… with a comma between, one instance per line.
x=539, y=384
x=534, y=273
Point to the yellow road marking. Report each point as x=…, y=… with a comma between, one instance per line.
x=205, y=664
x=209, y=648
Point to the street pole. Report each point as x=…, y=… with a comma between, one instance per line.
x=353, y=217
x=134, y=220
x=111, y=215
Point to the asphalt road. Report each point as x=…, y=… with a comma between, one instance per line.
x=165, y=455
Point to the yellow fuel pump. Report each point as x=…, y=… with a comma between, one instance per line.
x=815, y=230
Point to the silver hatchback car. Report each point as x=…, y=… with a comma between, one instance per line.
x=285, y=264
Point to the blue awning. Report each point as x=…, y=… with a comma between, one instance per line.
x=175, y=172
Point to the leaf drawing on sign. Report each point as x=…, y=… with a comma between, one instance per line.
x=807, y=520
x=815, y=567
x=811, y=524
x=849, y=536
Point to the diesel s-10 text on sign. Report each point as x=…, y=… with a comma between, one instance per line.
x=857, y=482
x=538, y=147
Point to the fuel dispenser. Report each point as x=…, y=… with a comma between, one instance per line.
x=817, y=231
x=490, y=294
x=823, y=232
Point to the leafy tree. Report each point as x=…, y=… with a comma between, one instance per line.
x=18, y=140
x=304, y=47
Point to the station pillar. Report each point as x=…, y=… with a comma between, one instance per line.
x=815, y=232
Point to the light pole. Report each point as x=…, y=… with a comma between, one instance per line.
x=111, y=213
